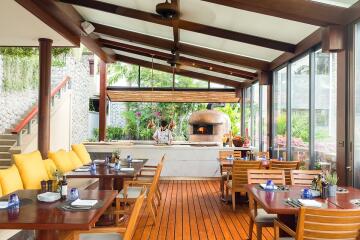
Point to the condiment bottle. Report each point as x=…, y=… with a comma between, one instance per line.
x=63, y=188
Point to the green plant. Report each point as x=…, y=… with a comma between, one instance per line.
x=331, y=178
x=281, y=124
x=232, y=110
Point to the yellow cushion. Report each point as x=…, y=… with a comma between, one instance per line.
x=62, y=161
x=10, y=180
x=1, y=193
x=82, y=153
x=75, y=159
x=50, y=168
x=31, y=168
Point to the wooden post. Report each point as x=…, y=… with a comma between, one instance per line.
x=44, y=96
x=102, y=102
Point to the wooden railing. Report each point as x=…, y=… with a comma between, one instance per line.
x=25, y=124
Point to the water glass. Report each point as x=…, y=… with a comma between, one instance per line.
x=93, y=167
x=117, y=166
x=307, y=194
x=269, y=185
x=128, y=158
x=14, y=201
x=74, y=194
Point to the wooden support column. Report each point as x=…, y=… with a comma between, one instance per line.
x=44, y=96
x=102, y=102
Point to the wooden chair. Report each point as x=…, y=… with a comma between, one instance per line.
x=224, y=171
x=112, y=233
x=261, y=154
x=132, y=190
x=287, y=166
x=303, y=177
x=259, y=216
x=239, y=177
x=323, y=224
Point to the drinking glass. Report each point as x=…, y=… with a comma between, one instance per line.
x=269, y=185
x=307, y=194
x=14, y=201
x=74, y=194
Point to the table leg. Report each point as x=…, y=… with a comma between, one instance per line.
x=290, y=221
x=118, y=184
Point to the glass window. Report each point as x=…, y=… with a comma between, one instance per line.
x=325, y=109
x=357, y=109
x=123, y=75
x=279, y=113
x=300, y=105
x=187, y=82
x=247, y=112
x=255, y=134
x=264, y=118
x=155, y=79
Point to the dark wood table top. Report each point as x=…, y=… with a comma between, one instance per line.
x=46, y=216
x=342, y=200
x=273, y=202
x=103, y=171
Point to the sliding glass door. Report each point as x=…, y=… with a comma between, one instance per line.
x=357, y=109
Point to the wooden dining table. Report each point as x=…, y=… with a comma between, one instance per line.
x=273, y=202
x=48, y=220
x=109, y=178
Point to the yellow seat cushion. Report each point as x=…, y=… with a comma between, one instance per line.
x=1, y=192
x=31, y=168
x=50, y=168
x=75, y=159
x=10, y=180
x=82, y=153
x=62, y=161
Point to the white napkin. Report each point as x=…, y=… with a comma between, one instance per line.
x=310, y=203
x=99, y=161
x=136, y=160
x=3, y=205
x=127, y=169
x=48, y=197
x=84, y=203
x=263, y=186
x=82, y=170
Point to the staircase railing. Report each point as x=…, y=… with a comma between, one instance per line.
x=24, y=126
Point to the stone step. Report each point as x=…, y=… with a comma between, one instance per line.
x=4, y=148
x=5, y=155
x=8, y=136
x=5, y=162
x=7, y=142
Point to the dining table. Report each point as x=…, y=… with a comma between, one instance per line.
x=277, y=202
x=109, y=177
x=49, y=220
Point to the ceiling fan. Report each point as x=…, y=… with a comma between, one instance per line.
x=167, y=10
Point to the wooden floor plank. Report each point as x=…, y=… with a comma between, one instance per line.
x=192, y=210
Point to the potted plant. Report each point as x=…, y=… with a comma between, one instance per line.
x=332, y=180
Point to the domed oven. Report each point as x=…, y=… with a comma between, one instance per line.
x=208, y=126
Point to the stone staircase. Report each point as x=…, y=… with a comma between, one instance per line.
x=7, y=141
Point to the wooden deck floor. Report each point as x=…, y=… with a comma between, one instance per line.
x=193, y=210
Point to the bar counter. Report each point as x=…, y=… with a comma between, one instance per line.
x=183, y=159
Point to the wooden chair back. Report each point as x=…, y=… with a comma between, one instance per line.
x=261, y=154
x=237, y=154
x=260, y=176
x=287, y=166
x=224, y=154
x=131, y=227
x=303, y=177
x=239, y=172
x=155, y=183
x=324, y=224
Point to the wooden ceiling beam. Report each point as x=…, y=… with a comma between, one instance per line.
x=65, y=20
x=180, y=72
x=304, y=11
x=183, y=48
x=312, y=40
x=183, y=24
x=351, y=14
x=182, y=60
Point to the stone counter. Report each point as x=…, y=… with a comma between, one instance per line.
x=185, y=161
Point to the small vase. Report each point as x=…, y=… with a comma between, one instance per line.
x=332, y=190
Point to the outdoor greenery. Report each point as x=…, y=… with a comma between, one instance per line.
x=138, y=115
x=21, y=66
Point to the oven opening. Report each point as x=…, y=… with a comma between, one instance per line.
x=203, y=129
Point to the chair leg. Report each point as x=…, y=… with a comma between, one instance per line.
x=227, y=194
x=153, y=212
x=222, y=186
x=158, y=192
x=258, y=232
x=233, y=200
x=251, y=229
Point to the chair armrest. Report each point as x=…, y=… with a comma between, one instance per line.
x=279, y=225
x=135, y=182
x=100, y=230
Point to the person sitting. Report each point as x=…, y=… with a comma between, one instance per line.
x=163, y=135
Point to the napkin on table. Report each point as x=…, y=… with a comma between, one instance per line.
x=310, y=203
x=84, y=203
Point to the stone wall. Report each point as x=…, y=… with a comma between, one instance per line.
x=15, y=104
